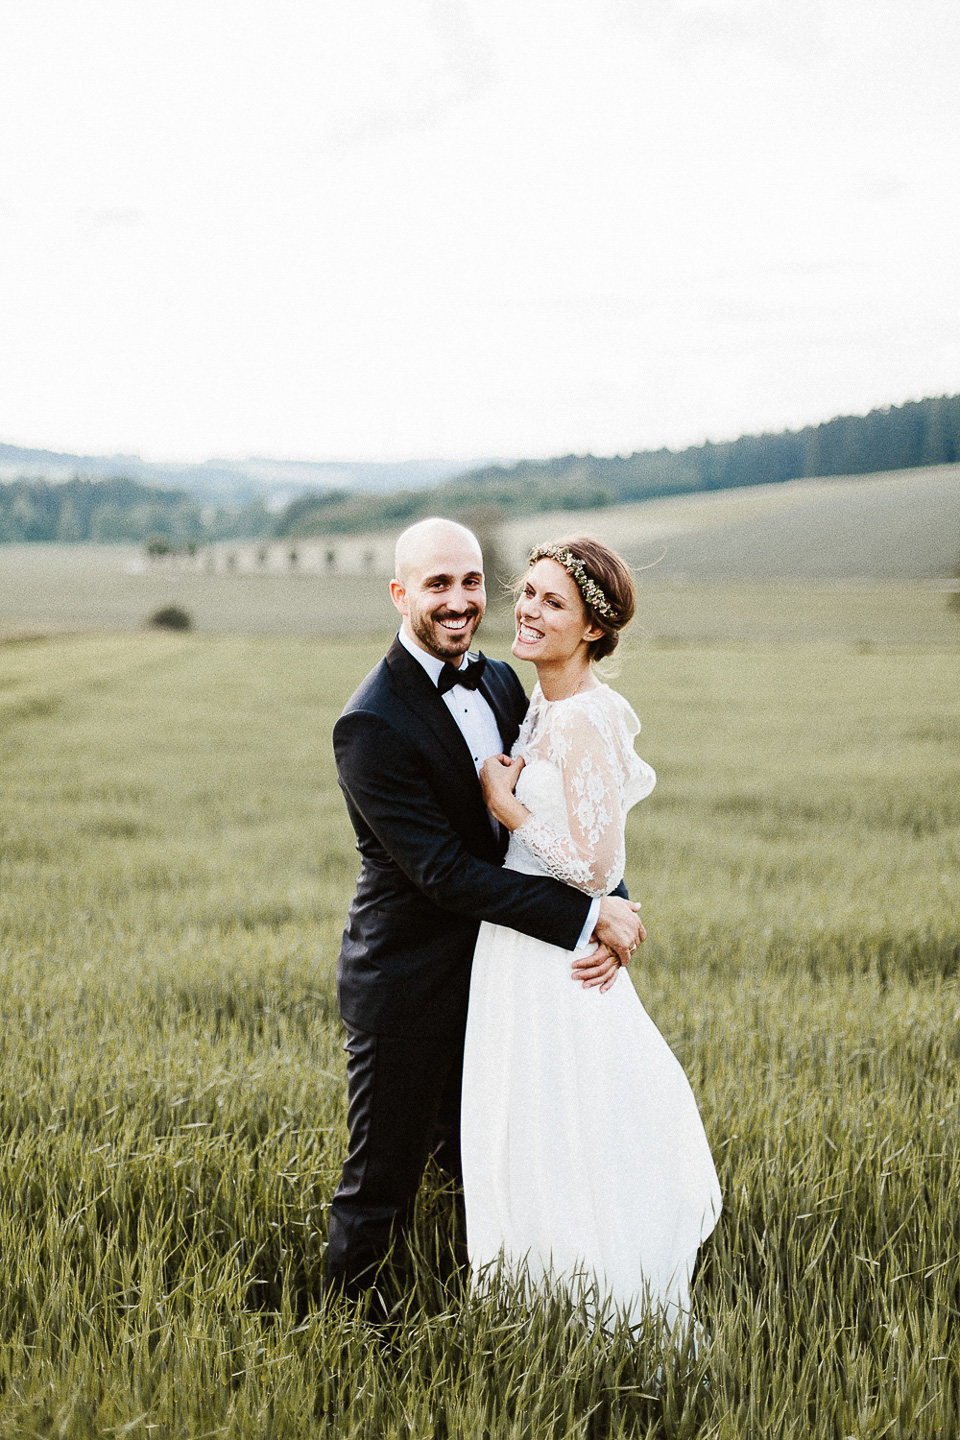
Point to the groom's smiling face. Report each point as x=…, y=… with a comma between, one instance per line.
x=439, y=590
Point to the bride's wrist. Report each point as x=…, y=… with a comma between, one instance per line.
x=512, y=814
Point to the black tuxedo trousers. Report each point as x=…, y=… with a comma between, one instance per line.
x=430, y=873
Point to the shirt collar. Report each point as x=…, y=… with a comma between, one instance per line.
x=430, y=663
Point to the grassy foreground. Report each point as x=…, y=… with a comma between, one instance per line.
x=175, y=869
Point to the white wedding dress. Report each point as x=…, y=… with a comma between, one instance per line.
x=585, y=1162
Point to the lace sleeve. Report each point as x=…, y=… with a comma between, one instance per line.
x=592, y=856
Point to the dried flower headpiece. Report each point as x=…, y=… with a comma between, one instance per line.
x=575, y=568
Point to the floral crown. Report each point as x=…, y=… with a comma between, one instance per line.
x=575, y=568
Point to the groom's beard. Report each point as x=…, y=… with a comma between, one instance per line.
x=445, y=644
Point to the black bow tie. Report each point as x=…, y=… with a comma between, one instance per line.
x=468, y=675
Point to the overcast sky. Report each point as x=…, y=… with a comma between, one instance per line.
x=383, y=229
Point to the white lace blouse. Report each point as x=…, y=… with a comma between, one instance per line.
x=581, y=775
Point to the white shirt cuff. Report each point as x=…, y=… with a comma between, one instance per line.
x=593, y=914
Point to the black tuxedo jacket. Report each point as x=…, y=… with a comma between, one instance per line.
x=431, y=862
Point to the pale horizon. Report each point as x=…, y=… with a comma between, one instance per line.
x=406, y=459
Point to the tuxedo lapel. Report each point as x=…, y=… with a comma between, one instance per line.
x=416, y=689
x=493, y=691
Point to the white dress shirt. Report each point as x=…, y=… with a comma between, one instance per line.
x=474, y=718
x=478, y=725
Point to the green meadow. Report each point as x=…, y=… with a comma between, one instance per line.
x=175, y=865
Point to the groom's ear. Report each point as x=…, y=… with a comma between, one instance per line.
x=398, y=594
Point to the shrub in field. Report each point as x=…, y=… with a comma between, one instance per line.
x=171, y=617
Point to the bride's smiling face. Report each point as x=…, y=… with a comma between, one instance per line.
x=552, y=621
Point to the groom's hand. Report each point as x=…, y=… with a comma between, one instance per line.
x=618, y=927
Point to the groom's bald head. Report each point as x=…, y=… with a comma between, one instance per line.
x=433, y=543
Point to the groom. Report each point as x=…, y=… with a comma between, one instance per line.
x=408, y=748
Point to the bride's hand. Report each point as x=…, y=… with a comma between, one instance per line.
x=498, y=780
x=600, y=968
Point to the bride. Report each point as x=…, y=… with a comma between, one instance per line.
x=585, y=1162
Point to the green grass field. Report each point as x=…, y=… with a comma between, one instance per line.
x=176, y=865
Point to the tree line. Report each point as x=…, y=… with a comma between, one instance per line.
x=110, y=511
x=897, y=437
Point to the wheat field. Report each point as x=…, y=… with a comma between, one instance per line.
x=175, y=869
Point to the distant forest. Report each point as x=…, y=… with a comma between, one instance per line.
x=923, y=432
x=898, y=437
x=108, y=511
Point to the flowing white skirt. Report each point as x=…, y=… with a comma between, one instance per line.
x=585, y=1161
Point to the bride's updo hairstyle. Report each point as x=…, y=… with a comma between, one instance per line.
x=604, y=571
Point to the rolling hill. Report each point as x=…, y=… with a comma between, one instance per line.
x=897, y=525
